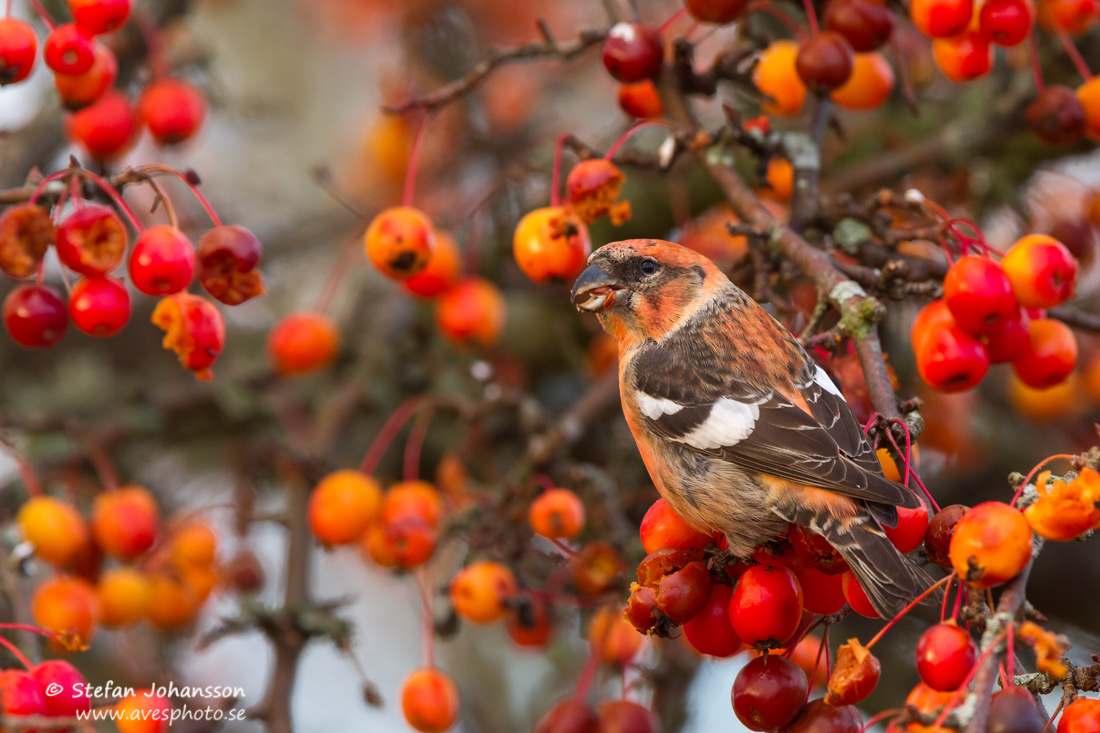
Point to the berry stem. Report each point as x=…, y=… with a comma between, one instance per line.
x=41, y=187
x=946, y=597
x=566, y=549
x=1010, y=651
x=16, y=653
x=154, y=43
x=336, y=273
x=880, y=717
x=811, y=15
x=1054, y=715
x=428, y=611
x=323, y=177
x=822, y=648
x=588, y=674
x=1036, y=67
x=102, y=464
x=1031, y=474
x=388, y=432
x=672, y=20
x=26, y=470
x=188, y=177
x=639, y=125
x=1073, y=53
x=809, y=625
x=414, y=162
x=414, y=445
x=901, y=614
x=555, y=171
x=162, y=198
x=114, y=195
x=41, y=11
x=9, y=626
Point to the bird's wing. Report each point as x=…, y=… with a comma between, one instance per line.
x=688, y=393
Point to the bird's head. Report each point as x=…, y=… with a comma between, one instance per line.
x=640, y=288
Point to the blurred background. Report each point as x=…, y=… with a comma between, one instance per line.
x=295, y=90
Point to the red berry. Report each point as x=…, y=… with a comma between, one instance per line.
x=162, y=261
x=99, y=306
x=568, y=716
x=624, y=716
x=1010, y=339
x=1056, y=116
x=941, y=18
x=529, y=623
x=227, y=257
x=777, y=552
x=821, y=593
x=1051, y=354
x=929, y=319
x=18, y=45
x=819, y=717
x=909, y=532
x=825, y=61
x=641, y=100
x=106, y=128
x=937, y=539
x=303, y=342
x=1007, y=22
x=1042, y=271
x=172, y=109
x=429, y=700
x=68, y=50
x=35, y=316
x=1080, y=716
x=964, y=57
x=20, y=695
x=857, y=597
x=632, y=52
x=99, y=16
x=766, y=605
x=193, y=328
x=816, y=551
x=710, y=630
x=978, y=294
x=91, y=240
x=945, y=655
x=72, y=699
x=865, y=24
x=768, y=692
x=951, y=360
x=715, y=11
x=662, y=527
x=80, y=90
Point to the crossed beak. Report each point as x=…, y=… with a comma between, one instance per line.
x=594, y=290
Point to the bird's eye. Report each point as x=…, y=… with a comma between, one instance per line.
x=648, y=267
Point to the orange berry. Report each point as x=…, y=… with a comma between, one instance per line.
x=941, y=18
x=124, y=594
x=1043, y=405
x=641, y=100
x=593, y=189
x=964, y=57
x=1088, y=94
x=551, y=243
x=373, y=545
x=410, y=541
x=781, y=177
x=54, y=527
x=1051, y=354
x=172, y=603
x=125, y=521
x=596, y=568
x=440, y=273
x=775, y=75
x=471, y=312
x=1042, y=271
x=143, y=712
x=200, y=581
x=529, y=623
x=387, y=146
x=1065, y=510
x=193, y=545
x=615, y=638
x=557, y=514
x=303, y=342
x=889, y=466
x=429, y=700
x=342, y=506
x=870, y=85
x=407, y=499
x=66, y=605
x=1073, y=16
x=400, y=241
x=480, y=591
x=991, y=544
x=708, y=235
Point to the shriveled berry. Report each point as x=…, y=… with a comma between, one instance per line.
x=227, y=257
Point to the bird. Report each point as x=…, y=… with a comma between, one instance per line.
x=740, y=429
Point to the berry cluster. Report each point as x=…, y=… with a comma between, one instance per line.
x=993, y=313
x=91, y=241
x=102, y=120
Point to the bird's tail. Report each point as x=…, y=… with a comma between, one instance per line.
x=890, y=580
